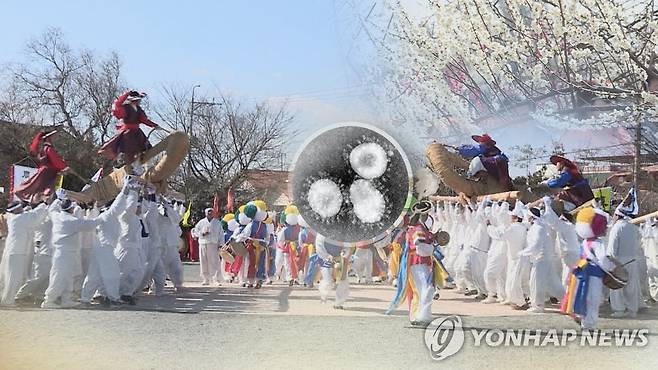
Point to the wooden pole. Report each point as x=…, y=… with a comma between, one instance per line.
x=646, y=217
x=507, y=195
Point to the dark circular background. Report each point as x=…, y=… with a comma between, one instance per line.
x=327, y=157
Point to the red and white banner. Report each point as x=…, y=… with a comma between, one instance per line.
x=18, y=174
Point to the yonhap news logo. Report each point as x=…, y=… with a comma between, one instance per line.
x=445, y=336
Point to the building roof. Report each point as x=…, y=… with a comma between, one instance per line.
x=271, y=185
x=266, y=179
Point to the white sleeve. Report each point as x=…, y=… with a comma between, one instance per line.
x=195, y=231
x=37, y=215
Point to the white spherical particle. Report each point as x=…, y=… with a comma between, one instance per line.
x=369, y=160
x=325, y=198
x=368, y=203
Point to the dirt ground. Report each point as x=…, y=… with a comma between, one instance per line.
x=279, y=327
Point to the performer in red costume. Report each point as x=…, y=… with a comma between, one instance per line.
x=130, y=141
x=50, y=165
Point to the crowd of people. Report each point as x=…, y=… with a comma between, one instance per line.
x=58, y=253
x=526, y=257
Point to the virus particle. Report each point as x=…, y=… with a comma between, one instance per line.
x=325, y=198
x=369, y=160
x=368, y=203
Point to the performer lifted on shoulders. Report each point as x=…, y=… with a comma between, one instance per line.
x=50, y=165
x=577, y=190
x=486, y=156
x=130, y=141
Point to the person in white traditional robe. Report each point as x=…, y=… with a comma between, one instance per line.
x=208, y=230
x=66, y=245
x=544, y=280
x=154, y=275
x=104, y=274
x=169, y=219
x=128, y=248
x=331, y=255
x=624, y=245
x=33, y=290
x=518, y=269
x=650, y=247
x=480, y=243
x=19, y=248
x=568, y=244
x=496, y=265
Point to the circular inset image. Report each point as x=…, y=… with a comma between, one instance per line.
x=351, y=182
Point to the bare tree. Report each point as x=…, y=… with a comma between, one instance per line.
x=67, y=87
x=227, y=138
x=48, y=79
x=100, y=82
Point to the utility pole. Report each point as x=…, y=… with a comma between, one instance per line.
x=189, y=129
x=637, y=144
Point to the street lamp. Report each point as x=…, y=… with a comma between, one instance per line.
x=192, y=108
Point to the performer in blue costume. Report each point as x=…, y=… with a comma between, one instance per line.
x=486, y=154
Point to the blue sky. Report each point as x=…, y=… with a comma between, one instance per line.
x=252, y=49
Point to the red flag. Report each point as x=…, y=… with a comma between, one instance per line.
x=229, y=200
x=215, y=206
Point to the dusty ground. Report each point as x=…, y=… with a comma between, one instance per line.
x=285, y=328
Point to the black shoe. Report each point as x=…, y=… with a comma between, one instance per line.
x=471, y=292
x=481, y=297
x=290, y=283
x=436, y=296
x=259, y=284
x=553, y=300
x=339, y=307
